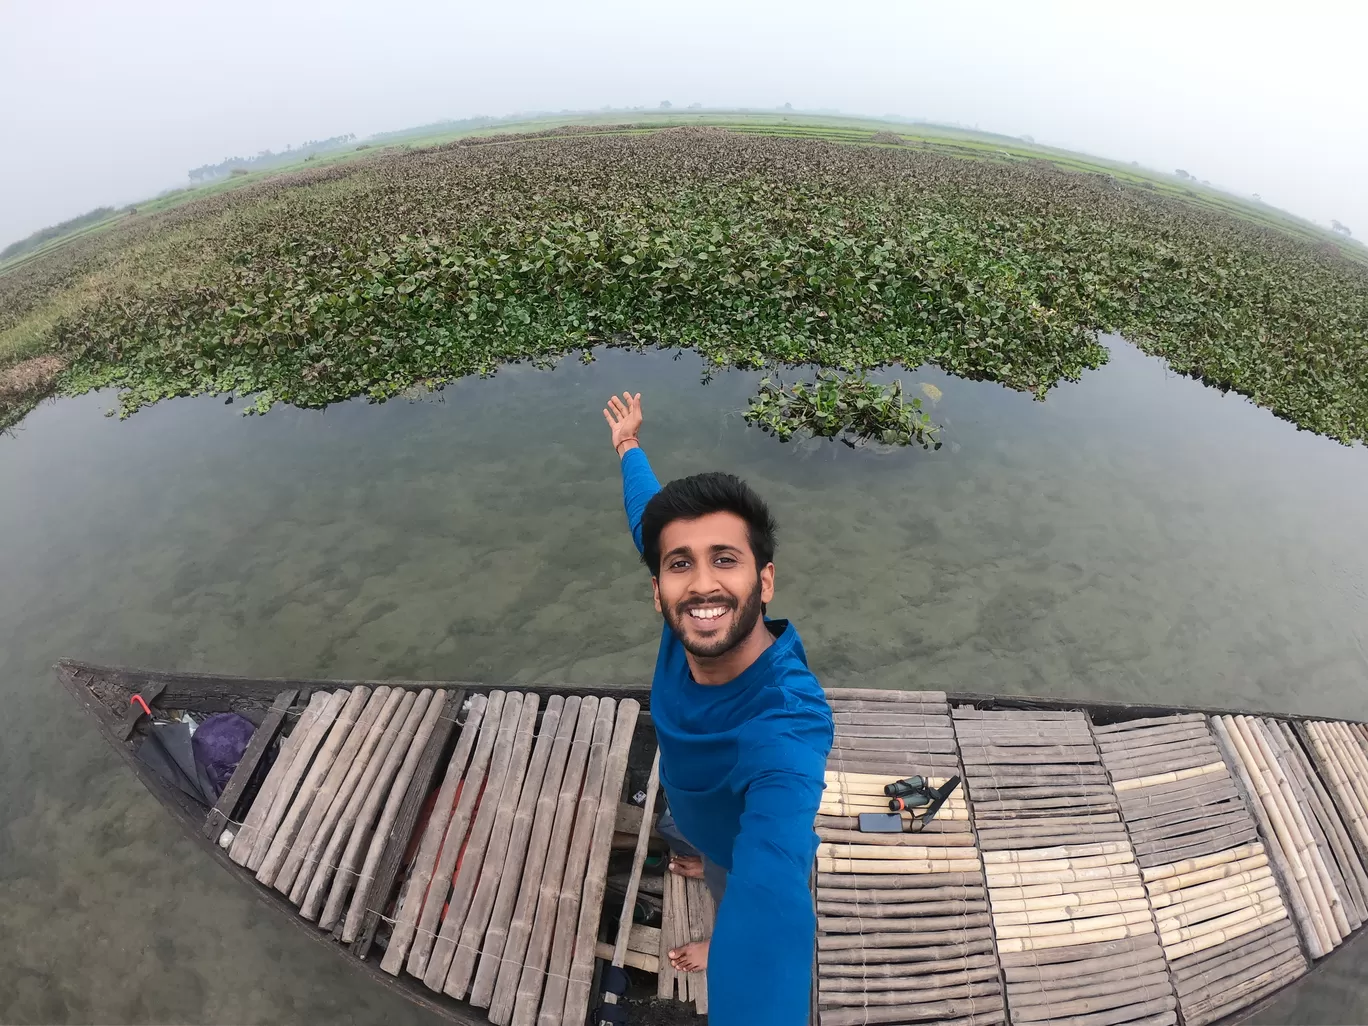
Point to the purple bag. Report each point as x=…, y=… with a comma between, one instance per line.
x=219, y=743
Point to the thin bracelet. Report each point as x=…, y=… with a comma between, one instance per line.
x=618, y=448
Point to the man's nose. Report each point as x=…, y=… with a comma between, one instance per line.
x=704, y=580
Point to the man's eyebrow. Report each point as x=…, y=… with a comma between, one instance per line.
x=716, y=547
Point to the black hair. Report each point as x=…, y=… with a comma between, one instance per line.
x=689, y=498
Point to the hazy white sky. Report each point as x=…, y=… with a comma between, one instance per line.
x=108, y=103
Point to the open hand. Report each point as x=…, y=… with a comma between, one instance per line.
x=624, y=418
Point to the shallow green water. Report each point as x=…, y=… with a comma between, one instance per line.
x=1137, y=537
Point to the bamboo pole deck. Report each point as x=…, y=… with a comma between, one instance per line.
x=1197, y=836
x=515, y=903
x=398, y=790
x=359, y=838
x=430, y=844
x=502, y=836
x=385, y=730
x=1064, y=886
x=899, y=907
x=454, y=837
x=332, y=796
x=529, y=939
x=511, y=746
x=1118, y=874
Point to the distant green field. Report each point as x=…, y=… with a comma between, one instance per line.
x=834, y=128
x=364, y=271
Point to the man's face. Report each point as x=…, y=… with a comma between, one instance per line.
x=709, y=588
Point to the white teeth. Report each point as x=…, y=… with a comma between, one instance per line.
x=707, y=614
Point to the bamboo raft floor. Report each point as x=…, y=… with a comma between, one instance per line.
x=1103, y=865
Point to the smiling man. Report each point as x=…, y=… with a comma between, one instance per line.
x=743, y=726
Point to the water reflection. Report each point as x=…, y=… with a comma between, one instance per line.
x=1136, y=537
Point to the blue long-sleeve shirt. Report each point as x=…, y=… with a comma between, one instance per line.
x=742, y=765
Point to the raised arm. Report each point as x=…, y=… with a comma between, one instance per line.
x=638, y=480
x=760, y=959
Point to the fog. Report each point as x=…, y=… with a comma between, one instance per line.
x=110, y=103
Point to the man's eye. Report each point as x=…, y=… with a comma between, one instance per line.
x=726, y=560
x=679, y=564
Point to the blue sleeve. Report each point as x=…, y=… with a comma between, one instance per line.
x=638, y=485
x=760, y=959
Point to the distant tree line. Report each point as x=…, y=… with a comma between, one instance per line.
x=43, y=235
x=265, y=159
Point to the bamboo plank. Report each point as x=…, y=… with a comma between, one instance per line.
x=1080, y=913
x=574, y=879
x=577, y=994
x=1234, y=926
x=425, y=860
x=299, y=768
x=1150, y=721
x=1283, y=852
x=1350, y=802
x=320, y=859
x=1067, y=903
x=508, y=756
x=922, y=926
x=522, y=870
x=1226, y=888
x=244, y=842
x=1015, y=944
x=960, y=989
x=895, y=910
x=529, y=937
x=1122, y=991
x=1156, y=853
x=360, y=834
x=913, y=838
x=1168, y=778
x=636, y=959
x=894, y=975
x=222, y=813
x=617, y=954
x=874, y=984
x=496, y=890
x=393, y=799
x=1081, y=959
x=893, y=851
x=909, y=698
x=330, y=793
x=292, y=819
x=856, y=881
x=887, y=939
x=1352, y=870
x=402, y=827
x=457, y=829
x=1320, y=887
x=984, y=1011
x=862, y=956
x=896, y=866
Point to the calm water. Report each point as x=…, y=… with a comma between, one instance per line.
x=1137, y=537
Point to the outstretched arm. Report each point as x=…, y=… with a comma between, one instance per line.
x=638, y=480
x=760, y=958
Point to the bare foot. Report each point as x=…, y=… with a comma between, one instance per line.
x=690, y=866
x=691, y=958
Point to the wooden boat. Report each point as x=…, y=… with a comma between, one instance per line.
x=1102, y=863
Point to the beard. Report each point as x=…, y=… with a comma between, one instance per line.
x=745, y=614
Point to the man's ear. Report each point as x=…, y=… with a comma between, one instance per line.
x=655, y=588
x=766, y=583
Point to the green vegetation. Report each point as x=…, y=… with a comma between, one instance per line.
x=848, y=407
x=776, y=244
x=43, y=235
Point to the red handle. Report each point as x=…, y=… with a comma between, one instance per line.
x=138, y=700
